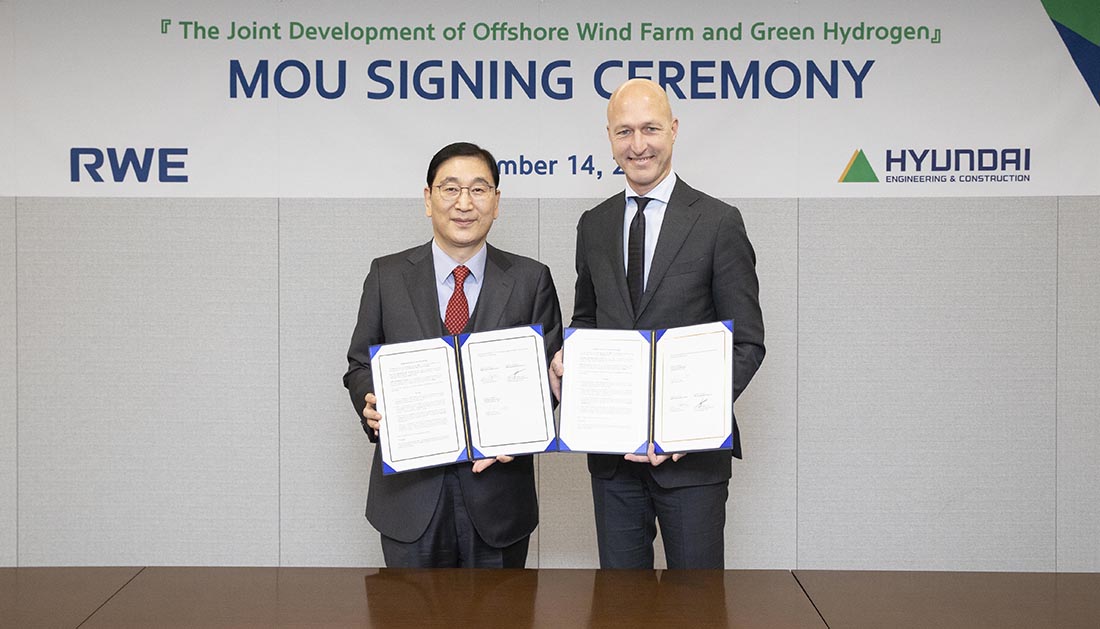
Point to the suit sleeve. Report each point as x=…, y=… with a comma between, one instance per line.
x=548, y=313
x=584, y=297
x=368, y=331
x=736, y=291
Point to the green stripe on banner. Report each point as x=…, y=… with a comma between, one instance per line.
x=1080, y=16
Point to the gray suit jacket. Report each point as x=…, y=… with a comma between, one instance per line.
x=400, y=304
x=703, y=269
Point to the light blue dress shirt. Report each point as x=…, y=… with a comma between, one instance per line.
x=445, y=279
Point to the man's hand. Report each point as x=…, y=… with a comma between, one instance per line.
x=479, y=466
x=653, y=458
x=373, y=417
x=557, y=370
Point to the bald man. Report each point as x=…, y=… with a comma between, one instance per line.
x=658, y=255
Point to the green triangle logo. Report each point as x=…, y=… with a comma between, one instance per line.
x=859, y=170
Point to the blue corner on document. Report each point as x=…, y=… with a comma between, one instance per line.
x=728, y=443
x=374, y=350
x=386, y=469
x=643, y=449
x=568, y=332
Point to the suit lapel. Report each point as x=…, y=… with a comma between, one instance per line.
x=680, y=216
x=420, y=280
x=610, y=221
x=495, y=290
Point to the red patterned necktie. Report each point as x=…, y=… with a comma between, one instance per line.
x=458, y=311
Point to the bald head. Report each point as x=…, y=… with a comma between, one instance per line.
x=642, y=131
x=640, y=90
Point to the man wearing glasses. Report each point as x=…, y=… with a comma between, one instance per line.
x=481, y=514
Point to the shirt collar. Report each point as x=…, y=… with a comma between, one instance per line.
x=445, y=265
x=661, y=192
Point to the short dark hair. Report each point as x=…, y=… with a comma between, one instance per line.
x=463, y=149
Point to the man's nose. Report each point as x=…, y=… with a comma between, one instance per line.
x=465, y=200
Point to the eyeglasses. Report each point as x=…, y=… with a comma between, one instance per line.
x=478, y=191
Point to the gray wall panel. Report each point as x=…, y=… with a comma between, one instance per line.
x=8, y=384
x=326, y=247
x=517, y=229
x=325, y=250
x=567, y=530
x=179, y=394
x=558, y=244
x=927, y=384
x=1079, y=385
x=148, y=382
x=760, y=514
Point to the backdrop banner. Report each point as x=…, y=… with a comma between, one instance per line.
x=350, y=99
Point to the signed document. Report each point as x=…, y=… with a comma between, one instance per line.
x=421, y=404
x=507, y=386
x=693, y=388
x=626, y=388
x=460, y=398
x=605, y=396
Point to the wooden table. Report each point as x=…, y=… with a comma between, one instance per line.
x=57, y=597
x=949, y=600
x=370, y=597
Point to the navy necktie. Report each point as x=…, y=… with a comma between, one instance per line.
x=635, y=254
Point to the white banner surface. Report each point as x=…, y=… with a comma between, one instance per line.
x=350, y=99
